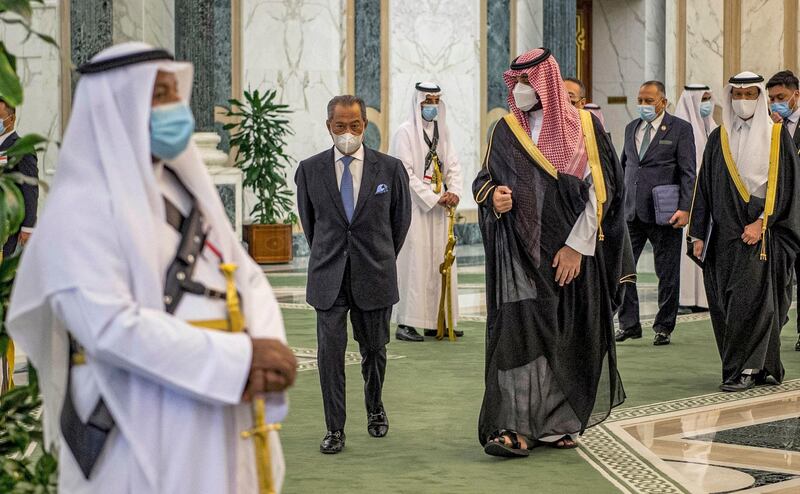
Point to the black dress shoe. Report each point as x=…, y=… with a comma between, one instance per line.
x=661, y=338
x=407, y=333
x=797, y=345
x=684, y=310
x=332, y=443
x=632, y=333
x=431, y=333
x=745, y=382
x=377, y=423
x=762, y=379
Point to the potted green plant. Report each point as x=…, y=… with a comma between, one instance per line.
x=25, y=465
x=259, y=138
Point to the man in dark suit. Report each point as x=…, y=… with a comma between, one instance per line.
x=355, y=209
x=27, y=166
x=784, y=99
x=659, y=150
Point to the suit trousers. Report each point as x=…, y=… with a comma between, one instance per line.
x=797, y=298
x=667, y=245
x=371, y=331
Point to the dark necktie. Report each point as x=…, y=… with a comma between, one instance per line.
x=346, y=188
x=646, y=140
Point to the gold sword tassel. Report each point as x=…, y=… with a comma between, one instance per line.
x=261, y=429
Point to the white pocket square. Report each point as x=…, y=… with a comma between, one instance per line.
x=382, y=189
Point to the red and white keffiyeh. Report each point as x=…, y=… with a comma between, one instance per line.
x=561, y=138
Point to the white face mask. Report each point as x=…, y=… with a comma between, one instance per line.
x=744, y=108
x=347, y=143
x=524, y=97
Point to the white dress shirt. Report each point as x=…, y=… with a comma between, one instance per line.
x=656, y=123
x=356, y=170
x=791, y=121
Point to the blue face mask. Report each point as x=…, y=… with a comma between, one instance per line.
x=171, y=128
x=781, y=109
x=647, y=112
x=3, y=128
x=706, y=107
x=430, y=112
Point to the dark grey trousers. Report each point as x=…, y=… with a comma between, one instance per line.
x=667, y=245
x=371, y=331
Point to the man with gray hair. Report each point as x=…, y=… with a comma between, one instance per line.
x=355, y=209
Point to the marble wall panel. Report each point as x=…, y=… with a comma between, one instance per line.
x=151, y=21
x=671, y=50
x=429, y=43
x=655, y=28
x=529, y=25
x=39, y=68
x=618, y=62
x=704, y=41
x=298, y=48
x=762, y=37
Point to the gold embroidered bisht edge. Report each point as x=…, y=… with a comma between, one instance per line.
x=587, y=125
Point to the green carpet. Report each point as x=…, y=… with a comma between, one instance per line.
x=283, y=280
x=433, y=397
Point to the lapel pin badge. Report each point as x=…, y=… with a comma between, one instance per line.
x=663, y=127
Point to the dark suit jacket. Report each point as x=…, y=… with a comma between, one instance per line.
x=28, y=166
x=670, y=159
x=796, y=136
x=371, y=242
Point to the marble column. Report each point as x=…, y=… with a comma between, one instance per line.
x=559, y=29
x=654, y=45
x=203, y=37
x=91, y=25
x=368, y=65
x=498, y=52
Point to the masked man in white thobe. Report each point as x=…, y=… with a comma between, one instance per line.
x=424, y=145
x=696, y=106
x=129, y=295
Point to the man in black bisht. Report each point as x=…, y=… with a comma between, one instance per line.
x=557, y=255
x=745, y=227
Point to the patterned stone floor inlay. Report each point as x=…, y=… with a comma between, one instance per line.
x=307, y=358
x=718, y=443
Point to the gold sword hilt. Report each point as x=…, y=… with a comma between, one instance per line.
x=259, y=433
x=445, y=319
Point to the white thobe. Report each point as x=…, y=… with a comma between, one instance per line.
x=693, y=290
x=583, y=236
x=418, y=278
x=197, y=378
